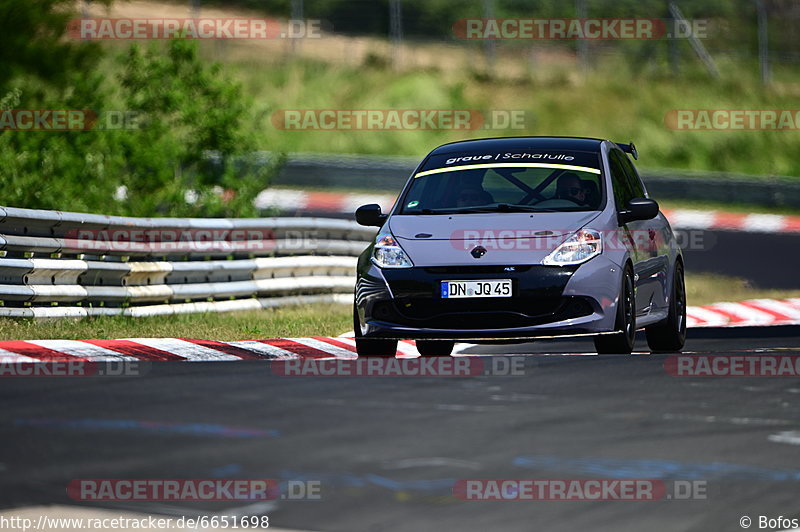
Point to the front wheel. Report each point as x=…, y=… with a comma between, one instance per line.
x=371, y=347
x=435, y=348
x=669, y=336
x=621, y=342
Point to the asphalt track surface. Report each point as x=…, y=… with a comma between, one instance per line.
x=388, y=450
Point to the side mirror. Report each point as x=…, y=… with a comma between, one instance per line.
x=370, y=215
x=639, y=209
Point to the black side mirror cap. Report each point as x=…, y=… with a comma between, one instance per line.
x=639, y=209
x=370, y=215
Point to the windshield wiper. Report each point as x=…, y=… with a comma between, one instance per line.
x=473, y=209
x=502, y=207
x=506, y=207
x=456, y=211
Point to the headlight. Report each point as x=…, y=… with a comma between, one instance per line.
x=388, y=253
x=578, y=248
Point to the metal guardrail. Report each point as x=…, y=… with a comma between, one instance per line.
x=58, y=264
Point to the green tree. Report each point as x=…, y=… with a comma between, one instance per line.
x=189, y=143
x=191, y=140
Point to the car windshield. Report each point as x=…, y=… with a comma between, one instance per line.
x=517, y=186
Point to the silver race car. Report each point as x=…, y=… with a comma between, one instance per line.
x=511, y=239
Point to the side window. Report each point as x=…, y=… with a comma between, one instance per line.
x=619, y=180
x=636, y=186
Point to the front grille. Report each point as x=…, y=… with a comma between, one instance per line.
x=426, y=308
x=537, y=298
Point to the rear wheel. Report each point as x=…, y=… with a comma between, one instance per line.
x=621, y=342
x=669, y=336
x=372, y=347
x=435, y=348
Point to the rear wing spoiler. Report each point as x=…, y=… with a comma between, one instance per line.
x=629, y=148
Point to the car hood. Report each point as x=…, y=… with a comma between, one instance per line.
x=508, y=238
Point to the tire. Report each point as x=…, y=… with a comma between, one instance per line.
x=669, y=336
x=371, y=347
x=621, y=342
x=435, y=348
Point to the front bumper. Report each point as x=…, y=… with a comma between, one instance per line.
x=547, y=301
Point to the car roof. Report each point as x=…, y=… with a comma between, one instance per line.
x=509, y=143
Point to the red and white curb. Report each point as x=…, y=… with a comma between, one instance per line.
x=751, y=313
x=755, y=312
x=303, y=200
x=186, y=350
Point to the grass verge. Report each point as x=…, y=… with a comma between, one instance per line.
x=320, y=320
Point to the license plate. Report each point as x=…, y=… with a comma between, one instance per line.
x=489, y=288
